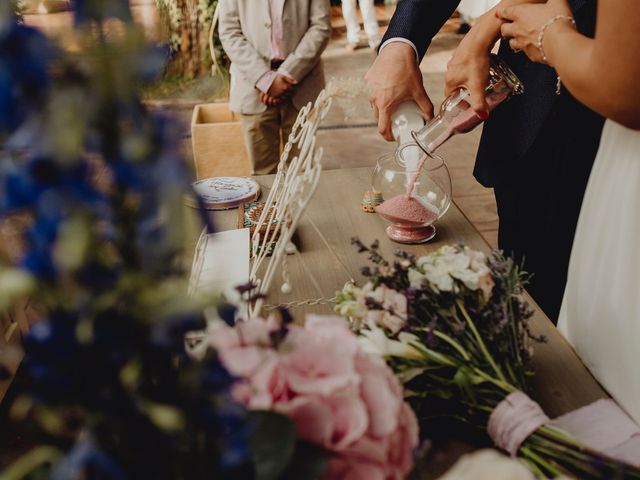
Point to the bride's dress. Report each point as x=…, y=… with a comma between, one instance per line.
x=600, y=312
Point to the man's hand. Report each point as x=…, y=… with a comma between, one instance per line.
x=270, y=101
x=393, y=78
x=282, y=87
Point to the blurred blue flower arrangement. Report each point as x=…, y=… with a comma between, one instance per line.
x=101, y=183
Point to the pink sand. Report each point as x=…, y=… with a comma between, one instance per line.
x=406, y=210
x=466, y=121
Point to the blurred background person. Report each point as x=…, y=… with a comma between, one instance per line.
x=369, y=19
x=469, y=10
x=465, y=23
x=275, y=49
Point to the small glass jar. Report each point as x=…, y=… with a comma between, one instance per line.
x=415, y=198
x=457, y=116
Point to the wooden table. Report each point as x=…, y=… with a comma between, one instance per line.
x=562, y=383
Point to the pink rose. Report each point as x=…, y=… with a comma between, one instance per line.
x=317, y=364
x=391, y=301
x=334, y=423
x=339, y=397
x=402, y=443
x=255, y=331
x=381, y=393
x=313, y=418
x=341, y=468
x=390, y=457
x=252, y=332
x=267, y=385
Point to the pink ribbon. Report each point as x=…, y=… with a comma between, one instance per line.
x=513, y=420
x=602, y=425
x=605, y=427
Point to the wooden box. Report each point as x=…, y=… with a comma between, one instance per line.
x=218, y=145
x=45, y=6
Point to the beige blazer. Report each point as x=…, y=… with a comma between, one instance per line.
x=245, y=33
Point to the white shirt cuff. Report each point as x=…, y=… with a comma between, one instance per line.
x=402, y=40
x=264, y=82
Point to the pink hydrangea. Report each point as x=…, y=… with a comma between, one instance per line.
x=340, y=397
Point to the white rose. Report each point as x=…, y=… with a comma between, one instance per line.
x=397, y=303
x=376, y=341
x=416, y=278
x=439, y=277
x=469, y=278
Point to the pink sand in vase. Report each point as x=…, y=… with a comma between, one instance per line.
x=406, y=210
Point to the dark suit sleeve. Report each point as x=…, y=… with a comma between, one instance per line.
x=419, y=20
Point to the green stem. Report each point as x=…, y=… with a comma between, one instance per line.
x=549, y=466
x=434, y=356
x=456, y=346
x=30, y=462
x=502, y=384
x=533, y=466
x=481, y=344
x=563, y=456
x=566, y=444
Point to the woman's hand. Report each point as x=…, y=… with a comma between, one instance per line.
x=524, y=22
x=469, y=66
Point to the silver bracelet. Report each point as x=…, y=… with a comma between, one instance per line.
x=543, y=29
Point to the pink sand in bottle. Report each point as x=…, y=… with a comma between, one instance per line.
x=406, y=210
x=466, y=121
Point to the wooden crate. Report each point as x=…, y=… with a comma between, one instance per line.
x=45, y=6
x=218, y=145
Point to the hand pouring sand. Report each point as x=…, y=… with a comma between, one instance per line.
x=411, y=219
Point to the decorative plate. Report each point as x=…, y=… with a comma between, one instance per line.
x=222, y=193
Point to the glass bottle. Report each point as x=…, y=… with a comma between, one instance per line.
x=457, y=116
x=406, y=119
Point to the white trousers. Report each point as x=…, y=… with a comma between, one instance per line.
x=368, y=16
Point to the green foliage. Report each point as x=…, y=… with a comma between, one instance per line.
x=276, y=453
x=188, y=28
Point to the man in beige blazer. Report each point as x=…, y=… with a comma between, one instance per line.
x=275, y=48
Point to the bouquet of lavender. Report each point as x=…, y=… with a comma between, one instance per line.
x=453, y=325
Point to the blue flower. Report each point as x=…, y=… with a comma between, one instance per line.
x=51, y=358
x=40, y=239
x=169, y=332
x=215, y=377
x=83, y=458
x=25, y=55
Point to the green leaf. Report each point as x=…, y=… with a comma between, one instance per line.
x=31, y=462
x=272, y=443
x=309, y=463
x=464, y=379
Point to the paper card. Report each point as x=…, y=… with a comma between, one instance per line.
x=222, y=263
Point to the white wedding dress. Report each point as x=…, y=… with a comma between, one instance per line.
x=600, y=312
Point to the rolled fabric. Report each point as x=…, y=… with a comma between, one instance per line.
x=605, y=427
x=513, y=420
